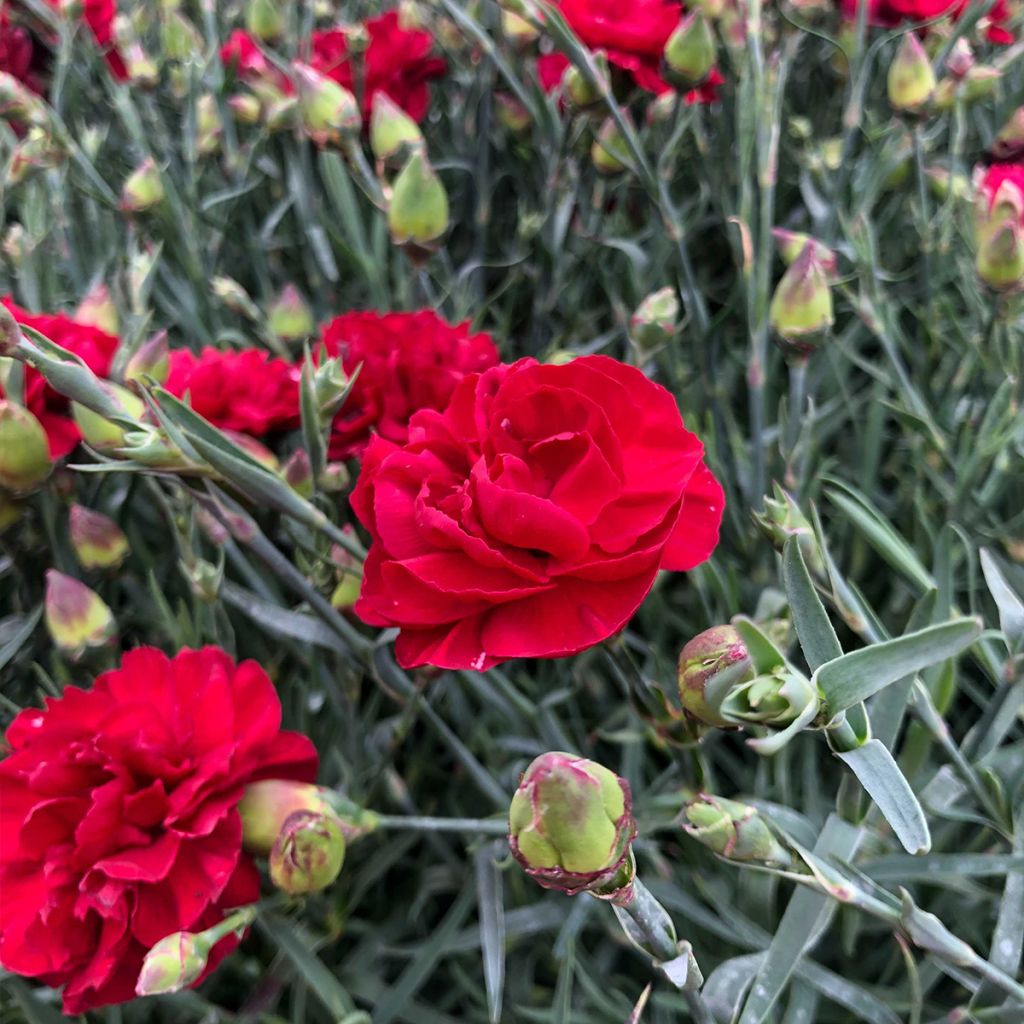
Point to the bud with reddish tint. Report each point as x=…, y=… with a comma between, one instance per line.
x=689, y=53
x=329, y=112
x=97, y=309
x=792, y=243
x=393, y=133
x=290, y=317
x=577, y=90
x=418, y=211
x=911, y=80
x=609, y=152
x=308, y=852
x=654, y=321
x=733, y=830
x=783, y=518
x=152, y=359
x=143, y=189
x=101, y=433
x=1009, y=141
x=709, y=665
x=801, y=310
x=266, y=805
x=1000, y=261
x=98, y=542
x=298, y=473
x=77, y=618
x=173, y=964
x=24, y=450
x=571, y=823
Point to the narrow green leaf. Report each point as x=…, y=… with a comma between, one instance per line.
x=491, y=908
x=1010, y=605
x=879, y=774
x=856, y=676
x=763, y=652
x=818, y=639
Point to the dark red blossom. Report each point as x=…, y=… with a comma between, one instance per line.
x=20, y=54
x=95, y=347
x=530, y=518
x=119, y=822
x=410, y=361
x=247, y=391
x=397, y=61
x=889, y=13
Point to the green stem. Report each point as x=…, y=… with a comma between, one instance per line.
x=415, y=823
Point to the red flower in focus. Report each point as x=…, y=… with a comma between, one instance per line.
x=20, y=56
x=247, y=391
x=95, y=347
x=529, y=519
x=397, y=62
x=891, y=12
x=992, y=179
x=119, y=819
x=410, y=361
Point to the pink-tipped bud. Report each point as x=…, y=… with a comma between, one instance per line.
x=329, y=112
x=77, y=618
x=1009, y=142
x=97, y=309
x=653, y=323
x=266, y=805
x=246, y=108
x=290, y=317
x=335, y=478
x=144, y=188
x=960, y=59
x=98, y=542
x=801, y=310
x=24, y=450
x=911, y=81
x=298, y=473
x=308, y=852
x=791, y=243
x=571, y=823
x=711, y=663
x=152, y=359
x=173, y=964
x=1000, y=261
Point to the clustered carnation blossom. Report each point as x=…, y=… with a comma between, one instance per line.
x=632, y=34
x=409, y=361
x=891, y=12
x=248, y=391
x=96, y=348
x=992, y=179
x=119, y=823
x=530, y=518
x=397, y=61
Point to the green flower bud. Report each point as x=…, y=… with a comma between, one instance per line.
x=98, y=542
x=308, y=853
x=204, y=578
x=101, y=433
x=393, y=133
x=24, y=451
x=144, y=188
x=173, y=964
x=418, y=211
x=710, y=8
x=517, y=29
x=609, y=152
x=208, y=126
x=943, y=184
x=578, y=92
x=689, y=53
x=709, y=665
x=234, y=297
x=654, y=321
x=36, y=152
x=571, y=823
x=978, y=84
x=298, y=473
x=346, y=593
x=801, y=309
x=264, y=19
x=152, y=359
x=792, y=243
x=1000, y=261
x=773, y=699
x=245, y=107
x=77, y=619
x=329, y=111
x=179, y=39
x=290, y=318
x=267, y=805
x=782, y=519
x=97, y=309
x=1009, y=142
x=151, y=447
x=141, y=68
x=733, y=830
x=511, y=113
x=911, y=81
x=335, y=478
x=19, y=103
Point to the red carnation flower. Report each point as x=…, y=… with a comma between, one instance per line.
x=410, y=361
x=530, y=518
x=95, y=347
x=891, y=12
x=990, y=181
x=397, y=62
x=99, y=16
x=243, y=55
x=119, y=819
x=20, y=56
x=247, y=391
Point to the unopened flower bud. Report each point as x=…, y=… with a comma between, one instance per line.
x=234, y=297
x=144, y=188
x=266, y=805
x=801, y=309
x=98, y=542
x=511, y=113
x=654, y=321
x=733, y=830
x=571, y=823
x=709, y=665
x=151, y=447
x=517, y=29
x=943, y=184
x=152, y=359
x=335, y=478
x=24, y=450
x=331, y=385
x=264, y=19
x=36, y=152
x=791, y=243
x=204, y=578
x=298, y=473
x=609, y=152
x=960, y=59
x=1000, y=261
x=329, y=111
x=173, y=964
x=208, y=126
x=18, y=102
x=290, y=317
x=577, y=90
x=781, y=519
x=77, y=618
x=710, y=8
x=689, y=53
x=15, y=245
x=978, y=84
x=1009, y=142
x=101, y=433
x=346, y=593
x=418, y=211
x=180, y=41
x=911, y=81
x=308, y=853
x=97, y=309
x=393, y=133
x=246, y=108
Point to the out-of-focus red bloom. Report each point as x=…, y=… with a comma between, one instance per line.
x=119, y=822
x=992, y=179
x=410, y=361
x=891, y=12
x=242, y=54
x=95, y=347
x=99, y=16
x=247, y=391
x=20, y=55
x=397, y=61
